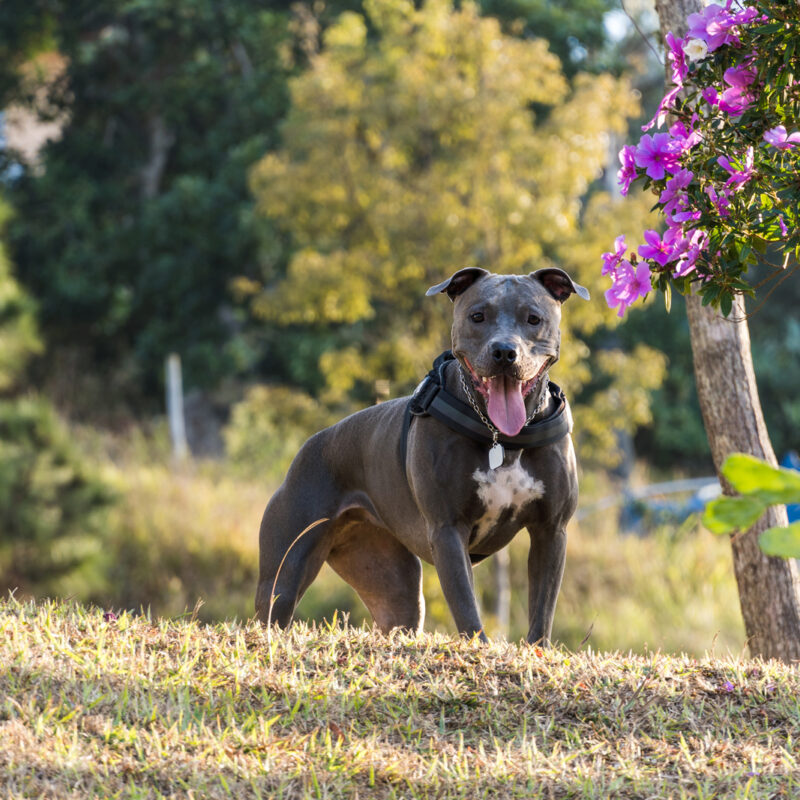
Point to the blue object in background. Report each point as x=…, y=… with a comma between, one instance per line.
x=792, y=461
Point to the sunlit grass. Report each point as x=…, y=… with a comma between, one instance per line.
x=136, y=707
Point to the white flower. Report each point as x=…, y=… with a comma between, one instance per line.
x=695, y=49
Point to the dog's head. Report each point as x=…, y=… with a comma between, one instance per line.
x=506, y=334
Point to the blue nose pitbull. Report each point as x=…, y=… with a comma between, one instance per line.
x=489, y=453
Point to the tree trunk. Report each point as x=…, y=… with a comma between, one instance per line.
x=769, y=588
x=161, y=140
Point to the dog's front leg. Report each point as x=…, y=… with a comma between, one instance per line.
x=451, y=559
x=545, y=570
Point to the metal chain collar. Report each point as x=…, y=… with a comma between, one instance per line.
x=495, y=433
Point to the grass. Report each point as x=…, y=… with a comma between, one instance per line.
x=135, y=707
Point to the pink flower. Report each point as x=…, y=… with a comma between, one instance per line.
x=745, y=16
x=782, y=225
x=710, y=95
x=612, y=260
x=676, y=55
x=692, y=247
x=684, y=139
x=737, y=99
x=713, y=25
x=738, y=177
x=657, y=155
x=720, y=201
x=627, y=173
x=675, y=199
x=739, y=77
x=679, y=181
x=735, y=102
x=629, y=286
x=680, y=70
x=684, y=267
x=619, y=293
x=660, y=250
x=640, y=286
x=777, y=137
x=684, y=214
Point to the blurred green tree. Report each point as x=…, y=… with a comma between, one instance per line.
x=415, y=152
x=49, y=497
x=574, y=29
x=132, y=224
x=18, y=335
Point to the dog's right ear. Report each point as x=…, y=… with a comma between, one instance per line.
x=458, y=282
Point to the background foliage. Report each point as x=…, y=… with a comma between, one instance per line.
x=413, y=153
x=135, y=220
x=269, y=193
x=49, y=495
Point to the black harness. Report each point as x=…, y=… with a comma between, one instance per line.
x=430, y=398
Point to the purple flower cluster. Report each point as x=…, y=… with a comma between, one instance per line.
x=659, y=156
x=709, y=30
x=716, y=25
x=630, y=282
x=738, y=177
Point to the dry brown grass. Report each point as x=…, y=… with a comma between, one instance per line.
x=133, y=708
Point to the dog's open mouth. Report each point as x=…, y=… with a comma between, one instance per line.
x=505, y=397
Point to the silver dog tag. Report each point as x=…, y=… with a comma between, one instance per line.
x=496, y=455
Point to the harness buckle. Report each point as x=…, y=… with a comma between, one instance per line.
x=423, y=396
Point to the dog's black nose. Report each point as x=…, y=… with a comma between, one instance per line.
x=504, y=353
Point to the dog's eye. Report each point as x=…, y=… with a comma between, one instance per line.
x=533, y=319
x=477, y=316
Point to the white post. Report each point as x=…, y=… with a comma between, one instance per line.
x=177, y=427
x=502, y=582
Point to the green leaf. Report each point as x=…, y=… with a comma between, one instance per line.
x=710, y=294
x=771, y=485
x=780, y=541
x=729, y=514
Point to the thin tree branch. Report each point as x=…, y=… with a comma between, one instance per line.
x=642, y=33
x=778, y=282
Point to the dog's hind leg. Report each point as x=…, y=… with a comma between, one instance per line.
x=387, y=576
x=287, y=564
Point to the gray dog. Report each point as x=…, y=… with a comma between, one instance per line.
x=450, y=475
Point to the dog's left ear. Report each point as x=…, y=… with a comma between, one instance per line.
x=458, y=282
x=559, y=284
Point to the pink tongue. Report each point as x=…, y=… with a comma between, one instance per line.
x=506, y=407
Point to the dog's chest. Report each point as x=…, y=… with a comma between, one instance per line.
x=503, y=493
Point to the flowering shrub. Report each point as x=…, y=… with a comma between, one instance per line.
x=727, y=170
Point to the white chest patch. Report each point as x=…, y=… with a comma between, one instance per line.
x=502, y=488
